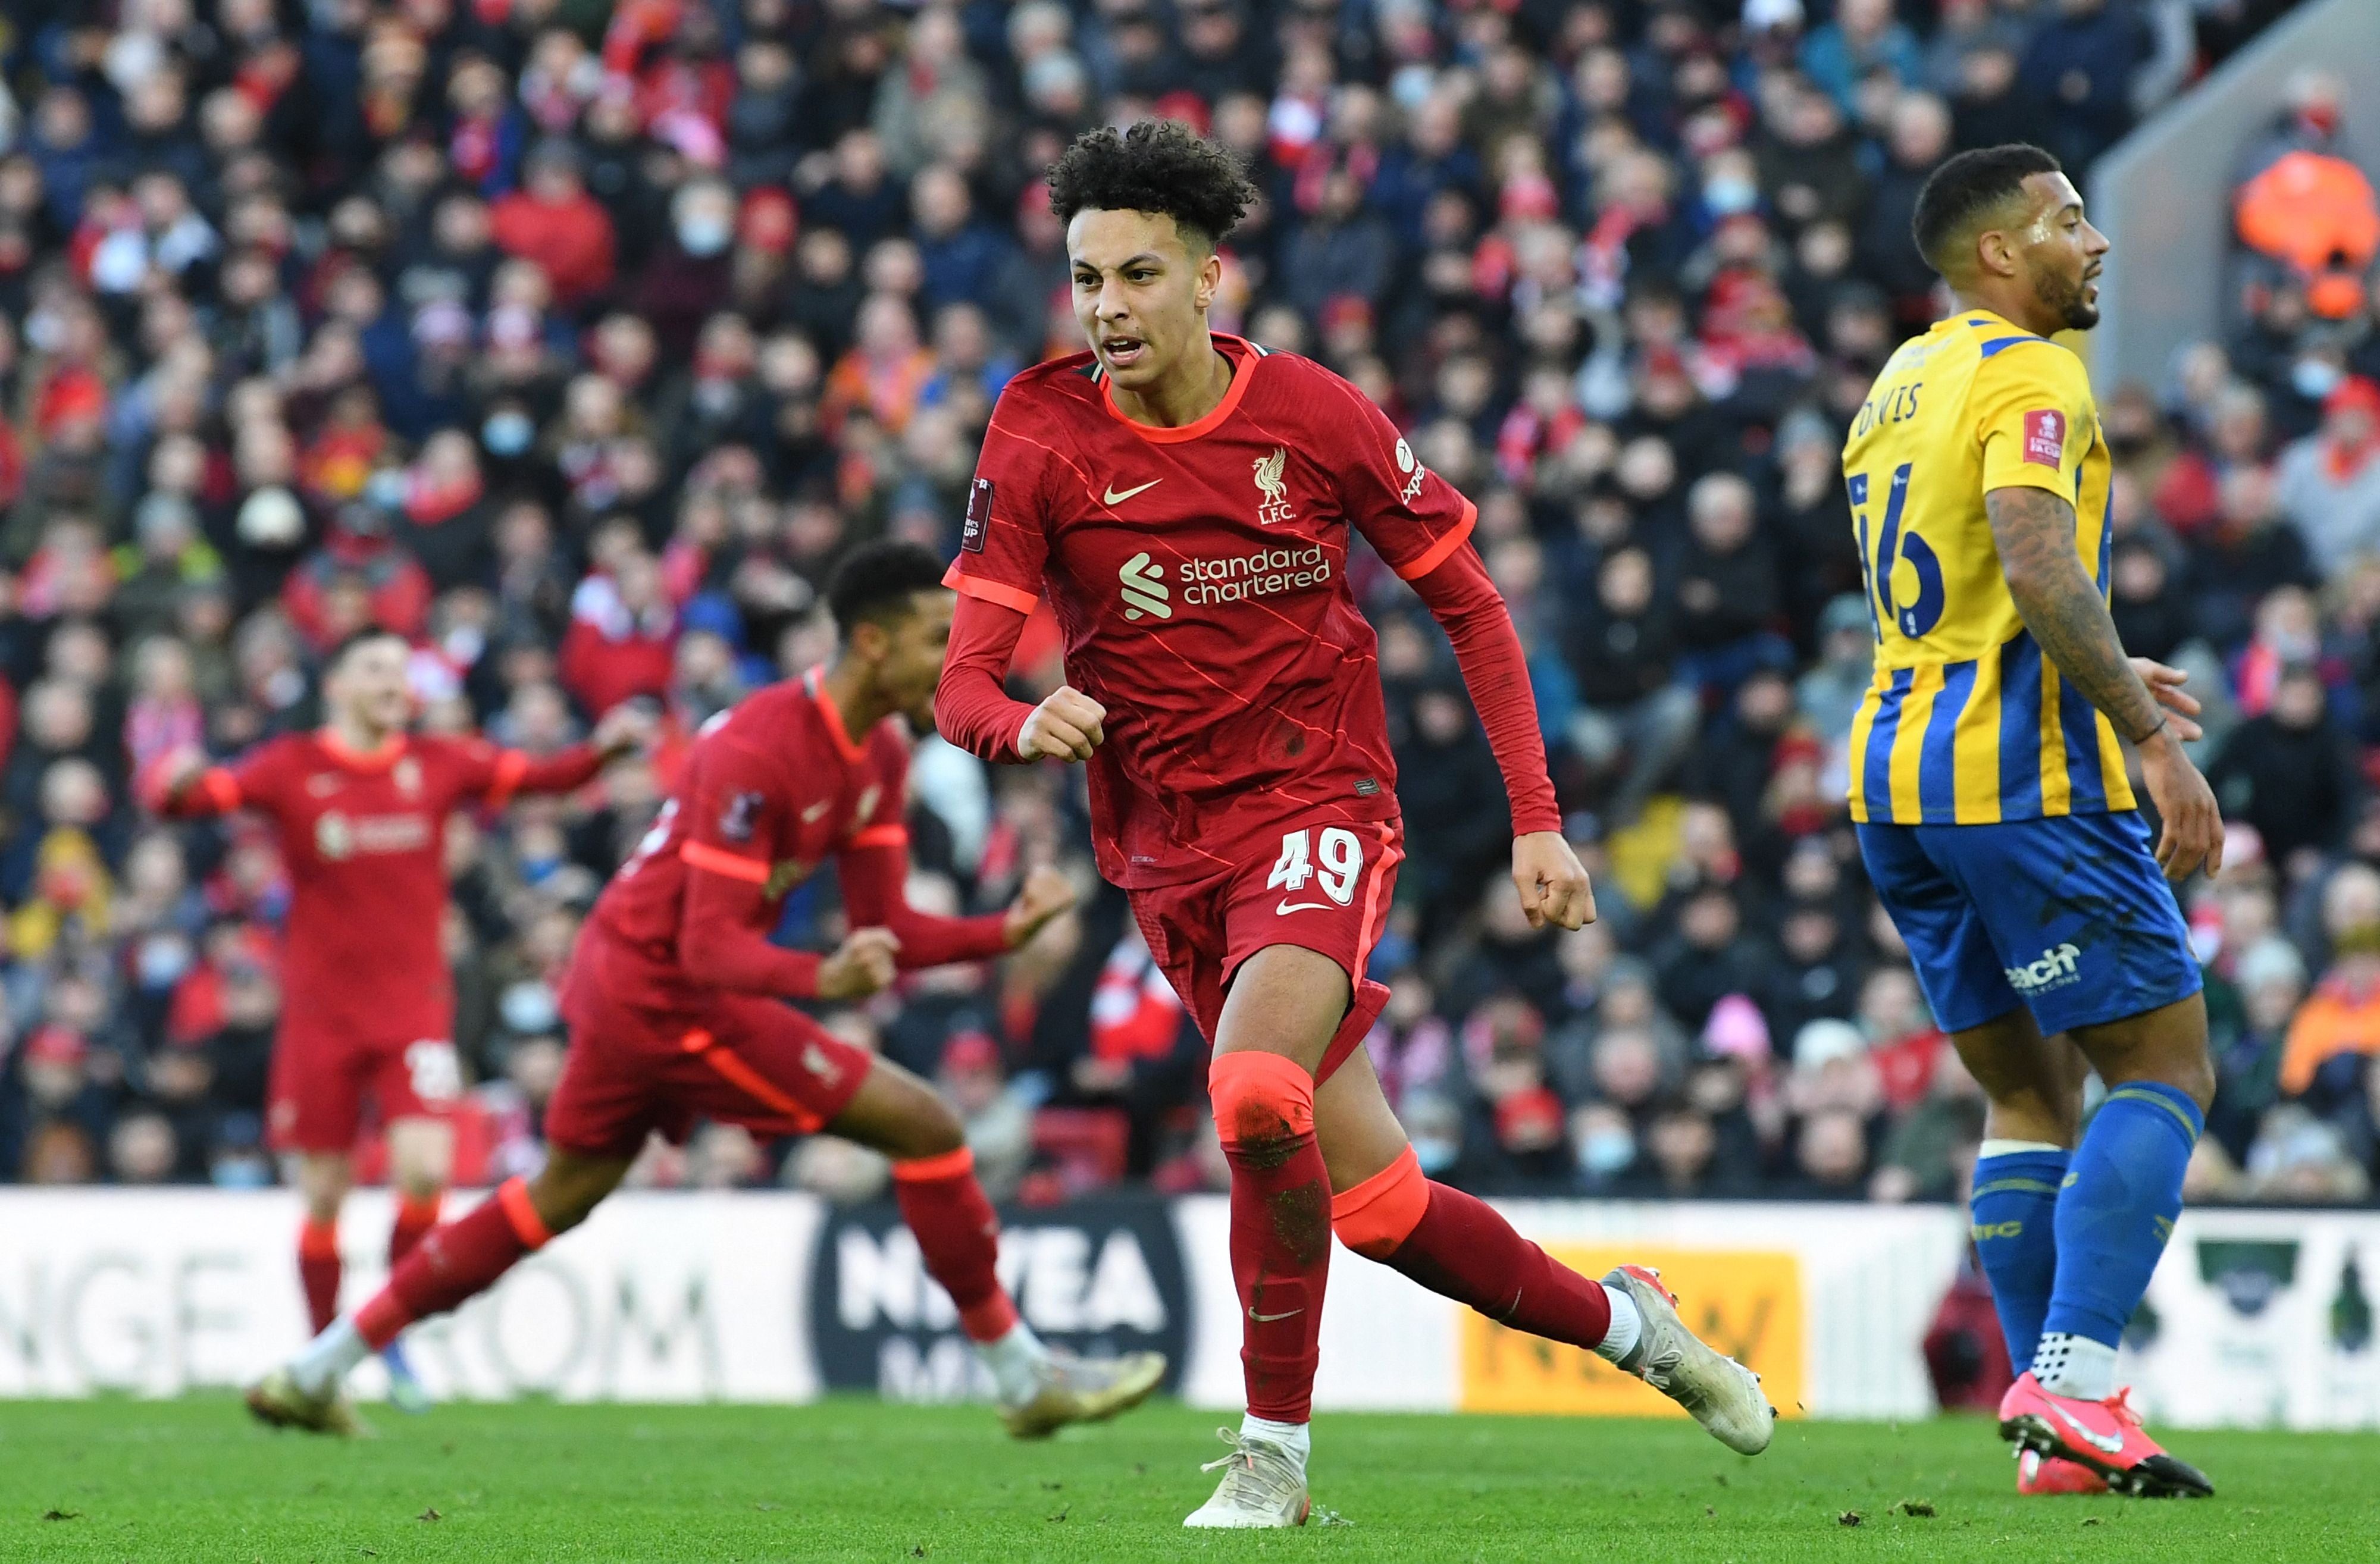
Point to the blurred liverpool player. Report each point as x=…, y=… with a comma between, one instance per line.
x=1995, y=814
x=673, y=1003
x=1186, y=500
x=368, y=1006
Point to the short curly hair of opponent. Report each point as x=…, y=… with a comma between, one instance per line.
x=1158, y=165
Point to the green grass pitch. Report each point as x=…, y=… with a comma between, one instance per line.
x=856, y=1480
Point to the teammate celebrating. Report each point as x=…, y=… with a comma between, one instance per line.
x=1186, y=500
x=1995, y=816
x=673, y=1003
x=368, y=1006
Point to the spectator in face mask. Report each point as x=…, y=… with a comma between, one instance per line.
x=1604, y=1143
x=690, y=273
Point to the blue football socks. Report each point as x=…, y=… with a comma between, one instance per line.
x=2115, y=1215
x=2015, y=1210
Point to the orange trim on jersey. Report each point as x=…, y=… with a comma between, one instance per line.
x=881, y=836
x=718, y=860
x=221, y=787
x=749, y=1081
x=995, y=592
x=815, y=682
x=1439, y=552
x=379, y=759
x=512, y=1199
x=948, y=1165
x=511, y=765
x=1241, y=372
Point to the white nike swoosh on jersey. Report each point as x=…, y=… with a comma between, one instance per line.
x=1290, y=907
x=815, y=810
x=2111, y=1443
x=1112, y=498
x=1268, y=1319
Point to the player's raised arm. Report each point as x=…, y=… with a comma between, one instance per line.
x=1421, y=524
x=184, y=785
x=497, y=776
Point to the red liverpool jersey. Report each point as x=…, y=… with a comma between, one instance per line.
x=771, y=789
x=364, y=839
x=1199, y=578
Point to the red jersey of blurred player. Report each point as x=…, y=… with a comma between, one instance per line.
x=673, y=989
x=367, y=1004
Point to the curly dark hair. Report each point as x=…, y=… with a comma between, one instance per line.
x=1158, y=165
x=878, y=581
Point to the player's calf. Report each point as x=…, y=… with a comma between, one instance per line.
x=1458, y=1246
x=1040, y=1390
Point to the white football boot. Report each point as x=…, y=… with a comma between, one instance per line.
x=1263, y=1487
x=1724, y=1396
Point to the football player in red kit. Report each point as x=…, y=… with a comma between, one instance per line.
x=1186, y=501
x=367, y=1008
x=673, y=1003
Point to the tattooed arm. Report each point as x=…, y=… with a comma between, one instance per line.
x=2033, y=530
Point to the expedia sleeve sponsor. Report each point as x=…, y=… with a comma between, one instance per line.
x=1098, y=1275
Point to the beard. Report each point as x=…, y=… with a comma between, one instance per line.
x=2069, y=297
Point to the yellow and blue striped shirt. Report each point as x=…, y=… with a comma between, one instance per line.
x=1965, y=723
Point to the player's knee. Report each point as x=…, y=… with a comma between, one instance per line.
x=1260, y=1099
x=1376, y=1217
x=2196, y=1076
x=934, y=1130
x=565, y=1192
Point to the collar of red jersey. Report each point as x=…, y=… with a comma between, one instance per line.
x=378, y=759
x=1245, y=357
x=815, y=683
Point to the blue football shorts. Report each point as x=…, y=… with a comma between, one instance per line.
x=2069, y=916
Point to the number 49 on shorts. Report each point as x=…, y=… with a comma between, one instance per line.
x=1333, y=863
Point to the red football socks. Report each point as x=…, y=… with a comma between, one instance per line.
x=958, y=1235
x=455, y=1263
x=318, y=1271
x=1281, y=1225
x=415, y=1215
x=1458, y=1246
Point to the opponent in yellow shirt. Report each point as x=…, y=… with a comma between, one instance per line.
x=1966, y=723
x=1994, y=820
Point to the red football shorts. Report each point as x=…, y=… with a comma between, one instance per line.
x=322, y=1077
x=1325, y=885
x=735, y=1058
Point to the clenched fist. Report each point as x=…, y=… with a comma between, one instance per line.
x=1046, y=893
x=1066, y=725
x=1552, y=882
x=860, y=966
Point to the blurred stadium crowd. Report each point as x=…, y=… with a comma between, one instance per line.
x=577, y=340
